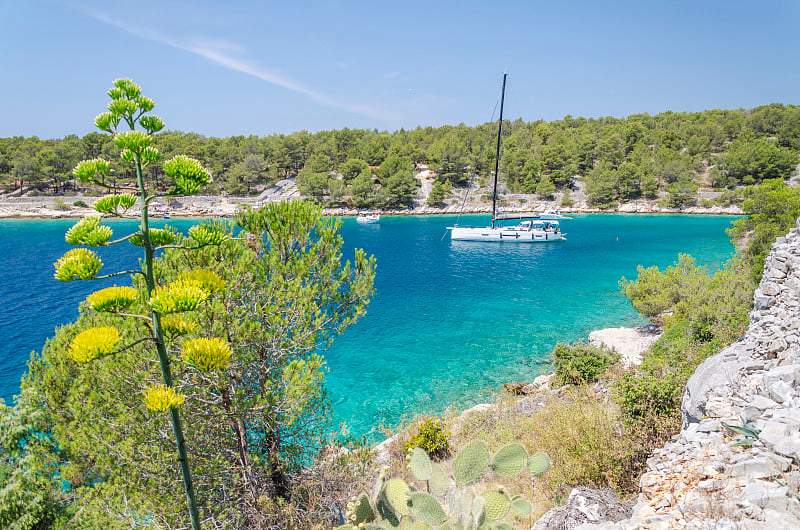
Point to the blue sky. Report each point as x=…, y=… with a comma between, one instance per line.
x=228, y=68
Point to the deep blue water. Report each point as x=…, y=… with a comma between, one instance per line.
x=450, y=321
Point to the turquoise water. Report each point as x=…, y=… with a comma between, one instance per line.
x=450, y=321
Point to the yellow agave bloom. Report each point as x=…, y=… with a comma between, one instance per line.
x=177, y=297
x=112, y=299
x=210, y=281
x=159, y=398
x=207, y=355
x=177, y=324
x=78, y=263
x=208, y=233
x=93, y=343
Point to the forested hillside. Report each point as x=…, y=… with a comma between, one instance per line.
x=669, y=155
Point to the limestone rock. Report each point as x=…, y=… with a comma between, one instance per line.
x=585, y=505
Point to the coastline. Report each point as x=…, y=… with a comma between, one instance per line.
x=53, y=207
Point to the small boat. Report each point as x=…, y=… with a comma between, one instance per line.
x=537, y=228
x=553, y=214
x=367, y=218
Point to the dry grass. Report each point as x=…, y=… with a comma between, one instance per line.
x=580, y=428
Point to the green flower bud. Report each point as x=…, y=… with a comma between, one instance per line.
x=110, y=203
x=88, y=232
x=189, y=175
x=151, y=123
x=94, y=170
x=135, y=141
x=146, y=104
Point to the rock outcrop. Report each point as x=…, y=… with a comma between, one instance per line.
x=712, y=476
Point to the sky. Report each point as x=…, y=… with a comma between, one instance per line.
x=265, y=67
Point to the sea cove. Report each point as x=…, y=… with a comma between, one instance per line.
x=449, y=323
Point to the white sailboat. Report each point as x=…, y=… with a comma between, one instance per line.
x=535, y=228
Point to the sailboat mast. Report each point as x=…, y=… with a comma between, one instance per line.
x=497, y=156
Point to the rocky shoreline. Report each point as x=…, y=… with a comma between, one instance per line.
x=712, y=476
x=27, y=206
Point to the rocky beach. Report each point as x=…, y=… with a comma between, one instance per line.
x=26, y=204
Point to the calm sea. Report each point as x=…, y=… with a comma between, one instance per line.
x=450, y=321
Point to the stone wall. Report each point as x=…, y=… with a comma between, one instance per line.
x=705, y=477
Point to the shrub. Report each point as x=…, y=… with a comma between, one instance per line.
x=59, y=204
x=648, y=394
x=567, y=200
x=80, y=204
x=580, y=363
x=432, y=437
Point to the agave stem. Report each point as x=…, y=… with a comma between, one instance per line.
x=158, y=334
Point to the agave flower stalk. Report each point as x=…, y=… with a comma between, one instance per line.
x=189, y=176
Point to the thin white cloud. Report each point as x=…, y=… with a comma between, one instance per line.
x=222, y=53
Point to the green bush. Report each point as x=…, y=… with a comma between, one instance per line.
x=647, y=394
x=580, y=363
x=432, y=437
x=80, y=204
x=59, y=204
x=567, y=200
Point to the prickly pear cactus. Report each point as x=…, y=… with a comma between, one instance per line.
x=397, y=505
x=396, y=494
x=521, y=506
x=359, y=510
x=497, y=504
x=538, y=464
x=439, y=482
x=471, y=463
x=419, y=463
x=425, y=507
x=509, y=460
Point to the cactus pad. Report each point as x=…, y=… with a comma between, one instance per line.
x=539, y=464
x=386, y=513
x=396, y=494
x=479, y=511
x=521, y=506
x=464, y=505
x=439, y=481
x=509, y=460
x=361, y=511
x=426, y=508
x=420, y=464
x=471, y=463
x=497, y=504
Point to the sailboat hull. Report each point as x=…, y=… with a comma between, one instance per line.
x=504, y=234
